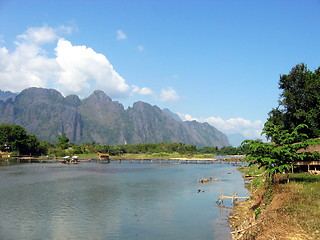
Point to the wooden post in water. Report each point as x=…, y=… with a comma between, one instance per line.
x=233, y=197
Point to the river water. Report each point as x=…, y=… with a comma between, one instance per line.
x=116, y=201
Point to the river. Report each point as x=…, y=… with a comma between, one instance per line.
x=115, y=201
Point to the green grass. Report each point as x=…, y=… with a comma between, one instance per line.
x=252, y=170
x=304, y=203
x=259, y=175
x=304, y=178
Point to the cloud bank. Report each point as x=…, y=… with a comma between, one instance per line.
x=249, y=129
x=142, y=91
x=69, y=68
x=169, y=95
x=82, y=68
x=78, y=69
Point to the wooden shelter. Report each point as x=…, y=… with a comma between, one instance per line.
x=309, y=166
x=104, y=157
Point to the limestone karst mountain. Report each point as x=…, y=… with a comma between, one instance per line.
x=47, y=114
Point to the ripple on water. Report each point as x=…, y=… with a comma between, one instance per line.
x=114, y=201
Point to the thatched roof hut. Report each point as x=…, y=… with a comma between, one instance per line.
x=310, y=166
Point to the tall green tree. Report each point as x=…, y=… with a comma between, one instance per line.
x=15, y=138
x=63, y=141
x=299, y=102
x=281, y=156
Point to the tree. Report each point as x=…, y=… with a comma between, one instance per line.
x=63, y=141
x=299, y=102
x=281, y=155
x=15, y=138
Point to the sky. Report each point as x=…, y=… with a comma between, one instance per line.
x=207, y=60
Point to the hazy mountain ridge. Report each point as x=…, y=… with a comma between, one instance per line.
x=4, y=95
x=47, y=114
x=236, y=139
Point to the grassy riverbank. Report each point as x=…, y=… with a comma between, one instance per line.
x=279, y=211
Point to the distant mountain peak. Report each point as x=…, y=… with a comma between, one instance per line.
x=47, y=114
x=173, y=115
x=5, y=95
x=99, y=95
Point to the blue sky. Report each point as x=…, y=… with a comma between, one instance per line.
x=209, y=60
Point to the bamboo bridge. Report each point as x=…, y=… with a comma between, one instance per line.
x=119, y=160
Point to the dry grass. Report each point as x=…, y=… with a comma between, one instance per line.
x=293, y=212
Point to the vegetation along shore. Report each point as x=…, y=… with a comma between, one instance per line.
x=15, y=141
x=278, y=209
x=284, y=174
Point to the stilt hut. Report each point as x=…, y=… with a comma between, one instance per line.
x=312, y=166
x=104, y=157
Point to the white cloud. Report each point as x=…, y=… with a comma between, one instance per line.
x=249, y=129
x=38, y=35
x=121, y=35
x=73, y=69
x=141, y=91
x=168, y=94
x=83, y=70
x=28, y=64
x=140, y=48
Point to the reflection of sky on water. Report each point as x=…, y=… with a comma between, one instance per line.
x=113, y=201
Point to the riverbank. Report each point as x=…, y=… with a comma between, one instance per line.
x=280, y=211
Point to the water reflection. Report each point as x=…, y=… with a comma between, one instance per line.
x=114, y=201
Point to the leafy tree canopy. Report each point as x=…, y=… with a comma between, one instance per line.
x=299, y=103
x=15, y=138
x=63, y=141
x=293, y=125
x=281, y=156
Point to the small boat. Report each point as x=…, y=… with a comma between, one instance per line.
x=70, y=160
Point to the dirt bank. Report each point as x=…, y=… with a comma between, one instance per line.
x=284, y=211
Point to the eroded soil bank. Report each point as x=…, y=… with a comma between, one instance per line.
x=282, y=211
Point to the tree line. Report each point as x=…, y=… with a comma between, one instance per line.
x=15, y=139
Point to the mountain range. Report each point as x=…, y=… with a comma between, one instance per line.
x=48, y=114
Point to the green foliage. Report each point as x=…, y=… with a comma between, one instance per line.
x=58, y=152
x=258, y=174
x=299, y=102
x=257, y=212
x=44, y=147
x=63, y=141
x=157, y=148
x=14, y=138
x=241, y=150
x=293, y=125
x=143, y=148
x=252, y=170
x=281, y=155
